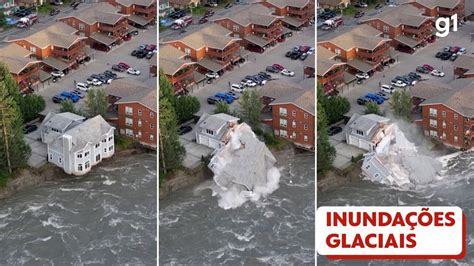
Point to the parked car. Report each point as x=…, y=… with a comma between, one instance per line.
x=133, y=71
x=445, y=55
x=118, y=68
x=379, y=6
x=421, y=69
x=96, y=82
x=399, y=83
x=212, y=75
x=27, y=129
x=229, y=5
x=58, y=98
x=184, y=129
x=54, y=12
x=361, y=5
x=123, y=65
x=387, y=88
x=222, y=96
x=209, y=13
x=295, y=55
x=212, y=100
x=303, y=56
x=359, y=14
x=362, y=101
x=375, y=98
x=361, y=75
x=383, y=95
x=74, y=98
x=55, y=2
x=334, y=130
x=278, y=67
x=454, y=57
x=271, y=69
x=437, y=73
x=57, y=74
x=438, y=54
x=428, y=67
x=248, y=83
x=462, y=51
x=287, y=72
x=203, y=20
x=233, y=94
x=82, y=86
x=237, y=88
x=78, y=93
x=110, y=74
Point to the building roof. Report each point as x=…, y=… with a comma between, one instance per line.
x=16, y=58
x=277, y=89
x=437, y=3
x=363, y=36
x=408, y=41
x=428, y=89
x=90, y=131
x=57, y=34
x=401, y=15
x=304, y=99
x=324, y=53
x=310, y=62
x=465, y=61
x=212, y=36
x=286, y=3
x=459, y=99
x=251, y=14
x=133, y=91
x=172, y=59
x=101, y=12
x=136, y=2
x=333, y=3
x=216, y=121
x=367, y=123
x=60, y=121
x=326, y=60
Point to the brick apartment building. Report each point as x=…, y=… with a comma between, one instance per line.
x=289, y=110
x=178, y=70
x=295, y=13
x=140, y=12
x=57, y=46
x=255, y=25
x=405, y=25
x=212, y=48
x=329, y=71
x=441, y=8
x=362, y=48
x=25, y=70
x=101, y=23
x=133, y=110
x=464, y=66
x=447, y=112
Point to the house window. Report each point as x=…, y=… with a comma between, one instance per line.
x=455, y=116
x=283, y=122
x=293, y=123
x=82, y=26
x=97, y=158
x=105, y=149
x=455, y=138
x=443, y=113
x=97, y=145
x=433, y=123
x=444, y=135
x=111, y=148
x=187, y=51
x=293, y=113
x=128, y=122
x=50, y=157
x=110, y=138
x=152, y=114
x=79, y=155
x=129, y=132
x=210, y=132
x=86, y=154
x=433, y=112
x=139, y=134
x=152, y=137
x=139, y=123
x=455, y=128
x=79, y=167
x=294, y=135
x=128, y=110
x=360, y=132
x=283, y=111
x=235, y=28
x=60, y=160
x=367, y=167
x=33, y=49
x=305, y=116
x=433, y=134
x=444, y=124
x=139, y=112
x=104, y=140
x=305, y=127
x=152, y=126
x=337, y=51
x=284, y=133
x=385, y=28
x=305, y=138
x=87, y=165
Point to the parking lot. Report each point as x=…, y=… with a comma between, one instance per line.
x=255, y=63
x=408, y=62
x=102, y=61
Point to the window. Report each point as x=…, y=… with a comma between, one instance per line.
x=187, y=51
x=152, y=137
x=293, y=123
x=433, y=123
x=97, y=145
x=152, y=114
x=444, y=135
x=139, y=134
x=128, y=121
x=360, y=132
x=33, y=49
x=305, y=138
x=455, y=138
x=293, y=135
x=128, y=110
x=293, y=113
x=79, y=167
x=455, y=116
x=87, y=165
x=367, y=167
x=455, y=128
x=82, y=26
x=79, y=155
x=235, y=28
x=305, y=127
x=111, y=148
x=104, y=140
x=283, y=111
x=110, y=138
x=210, y=132
x=444, y=124
x=385, y=28
x=139, y=123
x=337, y=51
x=139, y=112
x=283, y=122
x=433, y=112
x=443, y=113
x=60, y=160
x=97, y=158
x=105, y=149
x=433, y=133
x=50, y=157
x=284, y=133
x=152, y=126
x=305, y=116
x=129, y=132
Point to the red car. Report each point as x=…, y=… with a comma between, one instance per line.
x=278, y=66
x=455, y=49
x=150, y=47
x=127, y=37
x=428, y=67
x=304, y=49
x=123, y=65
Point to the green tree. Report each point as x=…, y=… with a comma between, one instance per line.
x=251, y=108
x=31, y=105
x=334, y=107
x=3, y=20
x=96, y=103
x=401, y=104
x=14, y=152
x=185, y=107
x=9, y=83
x=372, y=108
x=68, y=106
x=222, y=108
x=325, y=151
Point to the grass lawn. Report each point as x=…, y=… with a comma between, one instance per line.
x=349, y=11
x=199, y=10
x=44, y=8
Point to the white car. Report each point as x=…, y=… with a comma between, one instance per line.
x=96, y=82
x=237, y=88
x=387, y=88
x=437, y=73
x=133, y=71
x=212, y=75
x=287, y=72
x=399, y=83
x=362, y=76
x=310, y=51
x=57, y=74
x=249, y=83
x=462, y=51
x=82, y=86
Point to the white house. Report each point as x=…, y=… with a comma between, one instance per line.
x=211, y=129
x=366, y=131
x=76, y=144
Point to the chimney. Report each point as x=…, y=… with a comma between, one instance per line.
x=67, y=146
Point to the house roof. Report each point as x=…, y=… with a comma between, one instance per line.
x=251, y=14
x=408, y=41
x=90, y=131
x=363, y=36
x=101, y=12
x=133, y=91
x=212, y=36
x=216, y=121
x=324, y=53
x=459, y=99
x=60, y=121
x=278, y=89
x=304, y=99
x=325, y=60
x=311, y=61
x=437, y=3
x=57, y=34
x=428, y=89
x=401, y=15
x=16, y=58
x=333, y=2
x=138, y=20
x=172, y=59
x=465, y=61
x=286, y=3
x=367, y=123
x=136, y=2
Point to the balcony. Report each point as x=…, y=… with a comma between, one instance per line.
x=145, y=10
x=303, y=13
x=377, y=53
x=229, y=50
x=445, y=12
x=332, y=75
x=181, y=74
x=267, y=30
x=75, y=49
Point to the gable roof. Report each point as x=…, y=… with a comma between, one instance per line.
x=88, y=132
x=401, y=15
x=172, y=59
x=133, y=91
x=437, y=3
x=363, y=36
x=16, y=58
x=286, y=3
x=465, y=61
x=101, y=12
x=213, y=36
x=304, y=99
x=251, y=14
x=136, y=2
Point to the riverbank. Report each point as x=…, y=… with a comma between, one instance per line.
x=30, y=177
x=335, y=178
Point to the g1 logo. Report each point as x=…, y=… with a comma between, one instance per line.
x=443, y=25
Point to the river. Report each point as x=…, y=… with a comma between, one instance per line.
x=106, y=217
x=455, y=189
x=278, y=229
